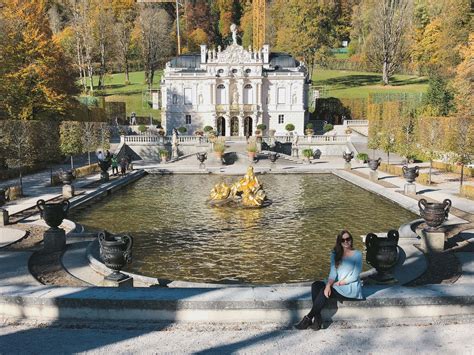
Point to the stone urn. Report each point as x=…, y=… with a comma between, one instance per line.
x=348, y=156
x=201, y=157
x=374, y=164
x=382, y=254
x=66, y=177
x=434, y=213
x=410, y=174
x=104, y=166
x=53, y=213
x=273, y=156
x=115, y=252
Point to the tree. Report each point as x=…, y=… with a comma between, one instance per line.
x=155, y=28
x=70, y=139
x=36, y=78
x=429, y=139
x=462, y=142
x=125, y=14
x=387, y=42
x=304, y=28
x=439, y=97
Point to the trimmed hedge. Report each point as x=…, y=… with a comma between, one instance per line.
x=452, y=168
x=468, y=191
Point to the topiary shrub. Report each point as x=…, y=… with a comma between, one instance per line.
x=208, y=129
x=328, y=127
x=290, y=127
x=182, y=130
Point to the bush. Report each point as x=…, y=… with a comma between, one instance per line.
x=262, y=126
x=208, y=129
x=467, y=191
x=290, y=127
x=182, y=130
x=142, y=128
x=363, y=157
x=328, y=127
x=309, y=126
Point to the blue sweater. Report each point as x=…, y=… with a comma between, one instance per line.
x=348, y=271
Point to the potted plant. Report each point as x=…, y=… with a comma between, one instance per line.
x=262, y=127
x=163, y=155
x=290, y=127
x=309, y=131
x=362, y=157
x=182, y=130
x=251, y=150
x=207, y=129
x=308, y=154
x=219, y=148
x=199, y=132
x=328, y=127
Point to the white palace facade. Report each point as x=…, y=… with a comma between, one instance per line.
x=234, y=90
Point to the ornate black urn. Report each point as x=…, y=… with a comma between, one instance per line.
x=410, y=174
x=382, y=254
x=434, y=213
x=348, y=156
x=53, y=213
x=374, y=163
x=104, y=166
x=115, y=252
x=66, y=177
x=201, y=156
x=273, y=156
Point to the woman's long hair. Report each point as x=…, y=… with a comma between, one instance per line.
x=338, y=250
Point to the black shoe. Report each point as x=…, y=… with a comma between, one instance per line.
x=318, y=322
x=304, y=323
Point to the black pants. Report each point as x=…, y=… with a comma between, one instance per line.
x=319, y=300
x=115, y=170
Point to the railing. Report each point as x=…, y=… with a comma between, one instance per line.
x=149, y=139
x=356, y=122
x=236, y=108
x=311, y=139
x=156, y=139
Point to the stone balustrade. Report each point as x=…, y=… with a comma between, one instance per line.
x=349, y=123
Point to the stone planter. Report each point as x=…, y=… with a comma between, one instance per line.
x=53, y=213
x=410, y=174
x=382, y=254
x=374, y=163
x=434, y=213
x=115, y=252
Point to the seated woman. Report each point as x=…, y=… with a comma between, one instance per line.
x=343, y=281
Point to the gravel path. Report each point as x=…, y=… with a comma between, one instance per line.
x=431, y=339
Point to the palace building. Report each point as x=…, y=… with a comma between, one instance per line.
x=234, y=90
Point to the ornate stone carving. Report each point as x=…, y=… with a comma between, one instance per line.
x=234, y=54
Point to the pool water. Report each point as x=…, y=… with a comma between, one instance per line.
x=177, y=236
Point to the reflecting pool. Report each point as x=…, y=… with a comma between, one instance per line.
x=179, y=237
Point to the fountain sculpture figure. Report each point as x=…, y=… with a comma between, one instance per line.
x=247, y=192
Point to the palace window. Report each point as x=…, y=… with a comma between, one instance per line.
x=221, y=95
x=281, y=119
x=248, y=94
x=188, y=100
x=281, y=99
x=188, y=119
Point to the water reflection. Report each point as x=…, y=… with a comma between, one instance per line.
x=179, y=237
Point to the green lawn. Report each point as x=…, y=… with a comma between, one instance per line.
x=352, y=84
x=336, y=83
x=134, y=95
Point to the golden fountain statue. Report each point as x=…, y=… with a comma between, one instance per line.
x=248, y=192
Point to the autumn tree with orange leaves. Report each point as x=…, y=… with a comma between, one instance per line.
x=36, y=79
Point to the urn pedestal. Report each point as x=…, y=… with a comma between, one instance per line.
x=409, y=189
x=347, y=166
x=54, y=239
x=3, y=217
x=432, y=241
x=68, y=191
x=374, y=175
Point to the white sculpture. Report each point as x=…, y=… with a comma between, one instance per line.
x=233, y=29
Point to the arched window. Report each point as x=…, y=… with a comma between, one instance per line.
x=221, y=97
x=248, y=94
